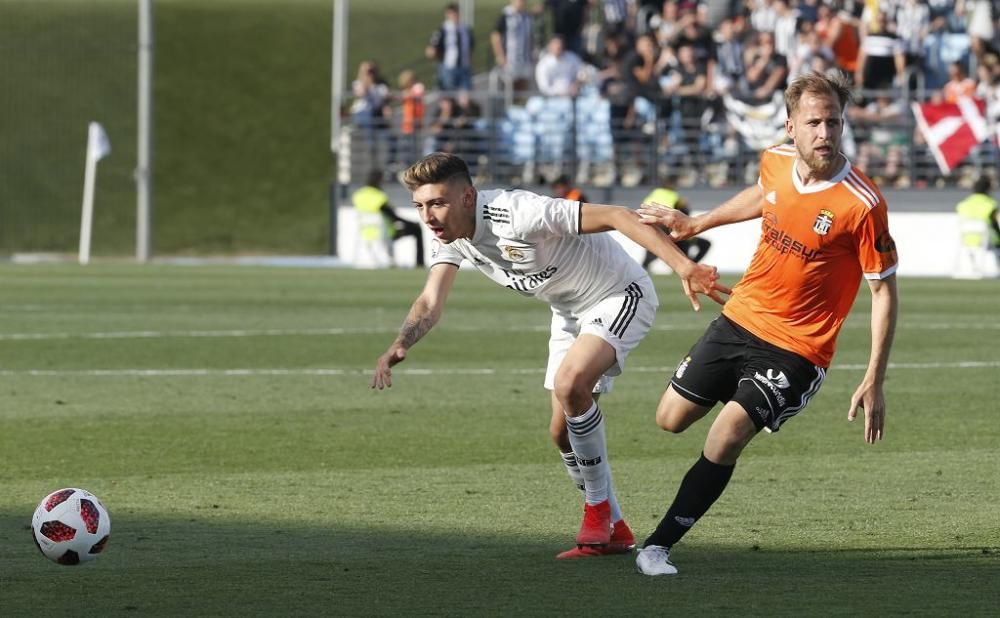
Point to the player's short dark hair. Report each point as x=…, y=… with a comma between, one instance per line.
x=817, y=83
x=436, y=168
x=374, y=178
x=451, y=6
x=983, y=184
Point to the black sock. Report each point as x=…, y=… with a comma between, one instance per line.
x=701, y=487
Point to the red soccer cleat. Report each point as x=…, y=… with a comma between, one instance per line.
x=622, y=542
x=596, y=526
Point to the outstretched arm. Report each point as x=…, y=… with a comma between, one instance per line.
x=745, y=205
x=696, y=278
x=869, y=395
x=424, y=314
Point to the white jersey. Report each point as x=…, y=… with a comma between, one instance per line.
x=532, y=244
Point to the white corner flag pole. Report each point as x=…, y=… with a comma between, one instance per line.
x=98, y=147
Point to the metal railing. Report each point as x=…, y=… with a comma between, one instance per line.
x=694, y=142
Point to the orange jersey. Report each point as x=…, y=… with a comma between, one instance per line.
x=816, y=243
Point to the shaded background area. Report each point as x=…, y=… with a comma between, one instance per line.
x=242, y=158
x=203, y=566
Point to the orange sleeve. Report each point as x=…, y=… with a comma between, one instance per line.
x=876, y=248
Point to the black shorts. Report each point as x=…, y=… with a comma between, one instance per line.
x=729, y=363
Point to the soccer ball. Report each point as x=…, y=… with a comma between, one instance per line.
x=71, y=526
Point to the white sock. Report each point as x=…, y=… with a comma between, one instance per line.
x=569, y=460
x=586, y=436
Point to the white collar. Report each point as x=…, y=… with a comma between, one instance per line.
x=822, y=185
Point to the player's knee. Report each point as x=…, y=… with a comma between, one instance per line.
x=672, y=421
x=573, y=392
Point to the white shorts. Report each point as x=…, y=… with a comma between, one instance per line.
x=621, y=319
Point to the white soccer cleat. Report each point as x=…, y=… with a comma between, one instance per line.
x=654, y=560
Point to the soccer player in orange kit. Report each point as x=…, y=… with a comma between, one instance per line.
x=824, y=226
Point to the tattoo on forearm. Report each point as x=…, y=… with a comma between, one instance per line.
x=415, y=327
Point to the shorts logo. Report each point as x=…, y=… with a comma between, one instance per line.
x=597, y=322
x=682, y=367
x=778, y=378
x=773, y=386
x=823, y=222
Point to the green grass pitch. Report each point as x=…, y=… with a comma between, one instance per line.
x=224, y=417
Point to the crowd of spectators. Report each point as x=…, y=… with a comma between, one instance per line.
x=664, y=71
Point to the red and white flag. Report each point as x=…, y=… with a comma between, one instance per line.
x=952, y=130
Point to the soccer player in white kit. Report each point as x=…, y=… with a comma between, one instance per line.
x=602, y=301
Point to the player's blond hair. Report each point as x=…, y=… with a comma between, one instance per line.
x=817, y=83
x=436, y=168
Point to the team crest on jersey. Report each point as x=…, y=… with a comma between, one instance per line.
x=435, y=247
x=823, y=222
x=514, y=254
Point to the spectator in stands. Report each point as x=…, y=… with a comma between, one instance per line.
x=558, y=70
x=370, y=109
x=766, y=70
x=882, y=61
x=763, y=15
x=699, y=37
x=451, y=46
x=412, y=111
x=379, y=223
x=809, y=46
x=959, y=84
x=513, y=40
x=808, y=10
x=980, y=16
x=618, y=88
x=568, y=18
x=825, y=66
x=443, y=131
x=454, y=128
x=912, y=22
x=785, y=28
x=645, y=12
x=837, y=32
x=642, y=67
x=687, y=84
x=988, y=89
x=371, y=112
x=730, y=73
x=644, y=76
x=884, y=121
x=619, y=16
x=666, y=25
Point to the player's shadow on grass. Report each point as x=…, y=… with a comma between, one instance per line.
x=212, y=566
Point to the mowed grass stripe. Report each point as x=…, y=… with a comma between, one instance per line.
x=279, y=492
x=441, y=371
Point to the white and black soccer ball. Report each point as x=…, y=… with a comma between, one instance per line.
x=71, y=526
